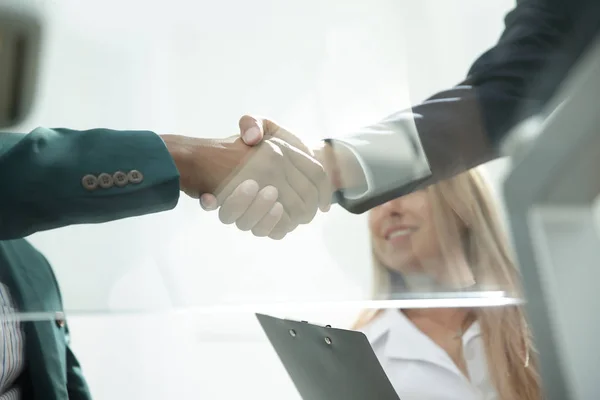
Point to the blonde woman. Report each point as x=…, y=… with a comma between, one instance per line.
x=448, y=236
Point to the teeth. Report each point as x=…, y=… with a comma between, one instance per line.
x=402, y=232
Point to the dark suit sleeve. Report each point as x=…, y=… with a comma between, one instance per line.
x=460, y=128
x=42, y=186
x=517, y=77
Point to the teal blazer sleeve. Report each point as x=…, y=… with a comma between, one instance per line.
x=52, y=178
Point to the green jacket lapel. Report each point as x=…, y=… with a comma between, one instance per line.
x=31, y=281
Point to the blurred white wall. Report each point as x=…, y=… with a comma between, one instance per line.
x=193, y=67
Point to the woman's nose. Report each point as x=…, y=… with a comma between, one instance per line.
x=395, y=206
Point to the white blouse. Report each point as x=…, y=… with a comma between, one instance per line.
x=419, y=369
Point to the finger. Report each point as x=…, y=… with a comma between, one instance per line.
x=316, y=174
x=236, y=204
x=283, y=227
x=266, y=225
x=305, y=190
x=208, y=202
x=292, y=202
x=312, y=170
x=325, y=195
x=251, y=130
x=262, y=204
x=278, y=237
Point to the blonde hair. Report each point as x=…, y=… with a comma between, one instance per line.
x=464, y=203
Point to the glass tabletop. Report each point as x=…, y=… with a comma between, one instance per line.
x=195, y=72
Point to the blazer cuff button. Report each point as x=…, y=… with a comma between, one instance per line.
x=89, y=182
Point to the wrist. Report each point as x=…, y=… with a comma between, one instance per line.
x=341, y=166
x=205, y=164
x=181, y=153
x=197, y=161
x=323, y=153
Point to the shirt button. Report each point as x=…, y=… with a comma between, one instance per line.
x=89, y=182
x=120, y=178
x=105, y=181
x=135, y=176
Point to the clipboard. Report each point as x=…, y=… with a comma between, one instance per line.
x=327, y=363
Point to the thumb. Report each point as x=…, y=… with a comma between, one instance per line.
x=251, y=130
x=208, y=202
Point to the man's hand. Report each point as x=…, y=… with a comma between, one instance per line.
x=242, y=202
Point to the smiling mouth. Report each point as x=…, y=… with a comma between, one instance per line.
x=400, y=233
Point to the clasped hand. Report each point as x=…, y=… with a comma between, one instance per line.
x=277, y=185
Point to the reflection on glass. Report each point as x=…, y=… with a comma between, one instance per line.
x=448, y=238
x=350, y=69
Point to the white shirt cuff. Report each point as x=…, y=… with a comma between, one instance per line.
x=390, y=153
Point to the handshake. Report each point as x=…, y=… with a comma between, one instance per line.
x=267, y=181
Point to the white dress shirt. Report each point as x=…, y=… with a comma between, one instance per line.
x=419, y=369
x=11, y=348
